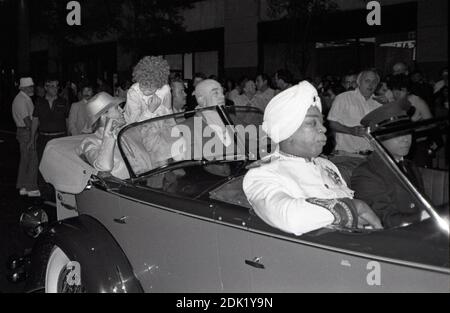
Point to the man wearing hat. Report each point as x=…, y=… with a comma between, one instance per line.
x=22, y=112
x=374, y=183
x=100, y=149
x=294, y=189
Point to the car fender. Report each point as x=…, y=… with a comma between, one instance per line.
x=104, y=266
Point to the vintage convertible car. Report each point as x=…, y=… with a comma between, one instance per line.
x=181, y=222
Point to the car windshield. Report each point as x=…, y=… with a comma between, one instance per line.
x=213, y=134
x=423, y=172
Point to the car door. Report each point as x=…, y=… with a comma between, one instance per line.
x=328, y=261
x=293, y=267
x=234, y=248
x=170, y=242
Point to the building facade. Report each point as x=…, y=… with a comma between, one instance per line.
x=231, y=38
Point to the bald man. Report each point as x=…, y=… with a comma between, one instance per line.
x=209, y=93
x=344, y=119
x=347, y=111
x=400, y=68
x=294, y=189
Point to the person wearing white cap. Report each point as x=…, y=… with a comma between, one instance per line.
x=22, y=112
x=100, y=149
x=294, y=189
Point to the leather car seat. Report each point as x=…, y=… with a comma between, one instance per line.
x=436, y=185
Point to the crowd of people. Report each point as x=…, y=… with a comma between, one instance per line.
x=296, y=117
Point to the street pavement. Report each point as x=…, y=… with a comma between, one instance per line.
x=12, y=239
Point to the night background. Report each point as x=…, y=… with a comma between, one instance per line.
x=225, y=39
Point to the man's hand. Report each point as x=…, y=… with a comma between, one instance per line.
x=366, y=216
x=112, y=128
x=109, y=128
x=358, y=131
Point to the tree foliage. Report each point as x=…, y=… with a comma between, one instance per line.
x=299, y=15
x=299, y=9
x=48, y=18
x=132, y=22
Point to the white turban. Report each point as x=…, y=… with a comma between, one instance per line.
x=286, y=112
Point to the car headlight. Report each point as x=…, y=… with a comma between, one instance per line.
x=34, y=221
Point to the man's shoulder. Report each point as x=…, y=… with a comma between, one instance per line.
x=261, y=174
x=266, y=165
x=18, y=99
x=322, y=160
x=327, y=165
x=346, y=95
x=343, y=100
x=77, y=105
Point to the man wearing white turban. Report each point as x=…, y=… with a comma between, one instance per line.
x=293, y=189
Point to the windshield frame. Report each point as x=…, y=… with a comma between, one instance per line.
x=375, y=138
x=221, y=110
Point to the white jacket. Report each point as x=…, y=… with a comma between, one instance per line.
x=279, y=190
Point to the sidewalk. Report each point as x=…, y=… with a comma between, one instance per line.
x=12, y=238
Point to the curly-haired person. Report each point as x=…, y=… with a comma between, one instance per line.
x=150, y=95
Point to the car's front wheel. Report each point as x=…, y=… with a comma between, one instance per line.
x=63, y=275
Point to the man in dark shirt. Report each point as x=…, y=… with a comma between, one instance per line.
x=374, y=183
x=50, y=118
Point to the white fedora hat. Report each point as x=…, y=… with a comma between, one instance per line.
x=26, y=82
x=99, y=104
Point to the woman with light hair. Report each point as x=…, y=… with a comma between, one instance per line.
x=150, y=95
